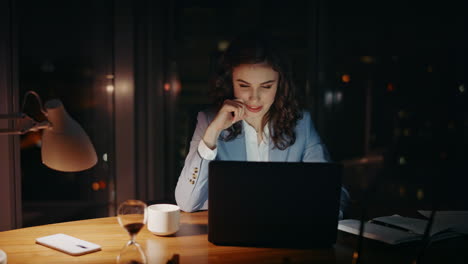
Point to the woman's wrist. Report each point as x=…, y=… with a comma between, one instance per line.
x=211, y=137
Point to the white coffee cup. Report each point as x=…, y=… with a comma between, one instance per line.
x=163, y=219
x=3, y=257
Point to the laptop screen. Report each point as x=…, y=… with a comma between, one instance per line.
x=285, y=204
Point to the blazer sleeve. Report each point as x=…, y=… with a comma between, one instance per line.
x=191, y=192
x=316, y=151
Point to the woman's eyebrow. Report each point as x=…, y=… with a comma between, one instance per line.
x=270, y=81
x=240, y=80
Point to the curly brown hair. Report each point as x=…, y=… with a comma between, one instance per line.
x=284, y=112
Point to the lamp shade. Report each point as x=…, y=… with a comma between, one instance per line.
x=65, y=145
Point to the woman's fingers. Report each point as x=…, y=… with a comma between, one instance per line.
x=241, y=110
x=231, y=112
x=237, y=108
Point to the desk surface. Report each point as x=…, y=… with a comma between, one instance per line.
x=192, y=246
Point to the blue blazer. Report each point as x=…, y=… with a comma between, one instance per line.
x=191, y=192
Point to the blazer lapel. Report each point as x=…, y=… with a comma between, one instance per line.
x=235, y=149
x=277, y=154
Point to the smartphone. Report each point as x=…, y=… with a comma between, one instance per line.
x=68, y=244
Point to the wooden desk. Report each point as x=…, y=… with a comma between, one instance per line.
x=191, y=244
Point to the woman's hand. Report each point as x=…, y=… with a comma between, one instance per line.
x=231, y=112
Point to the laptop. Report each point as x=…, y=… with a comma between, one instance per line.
x=273, y=204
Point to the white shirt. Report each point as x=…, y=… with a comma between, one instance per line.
x=254, y=150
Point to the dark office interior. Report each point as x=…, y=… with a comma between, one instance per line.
x=385, y=83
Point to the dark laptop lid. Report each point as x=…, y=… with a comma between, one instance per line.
x=273, y=204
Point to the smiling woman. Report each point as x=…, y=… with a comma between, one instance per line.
x=253, y=98
x=254, y=59
x=257, y=94
x=256, y=116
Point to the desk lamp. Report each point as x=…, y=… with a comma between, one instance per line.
x=65, y=145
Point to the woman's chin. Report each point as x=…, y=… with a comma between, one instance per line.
x=253, y=116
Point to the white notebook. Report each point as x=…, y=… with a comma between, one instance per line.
x=396, y=229
x=456, y=220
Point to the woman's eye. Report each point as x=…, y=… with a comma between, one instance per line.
x=243, y=85
x=266, y=87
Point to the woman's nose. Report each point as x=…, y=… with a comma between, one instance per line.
x=254, y=95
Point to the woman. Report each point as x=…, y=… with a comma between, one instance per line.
x=257, y=119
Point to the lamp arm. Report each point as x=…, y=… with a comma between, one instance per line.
x=5, y=132
x=38, y=98
x=13, y=116
x=39, y=126
x=35, y=126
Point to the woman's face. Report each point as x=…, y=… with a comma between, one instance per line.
x=256, y=86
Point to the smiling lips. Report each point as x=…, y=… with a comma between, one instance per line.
x=254, y=109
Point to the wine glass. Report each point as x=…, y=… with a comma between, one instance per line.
x=132, y=216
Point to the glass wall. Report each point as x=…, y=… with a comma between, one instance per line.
x=65, y=52
x=394, y=102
